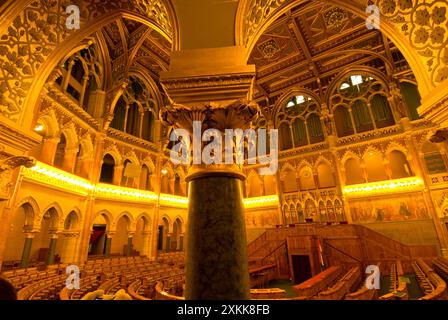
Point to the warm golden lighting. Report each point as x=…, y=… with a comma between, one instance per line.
x=164, y=171
x=115, y=192
x=174, y=201
x=39, y=128
x=382, y=187
x=55, y=177
x=266, y=201
x=60, y=179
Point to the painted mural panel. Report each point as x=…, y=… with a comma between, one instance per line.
x=402, y=208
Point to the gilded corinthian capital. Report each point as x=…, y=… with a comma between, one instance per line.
x=237, y=114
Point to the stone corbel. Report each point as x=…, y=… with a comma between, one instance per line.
x=7, y=167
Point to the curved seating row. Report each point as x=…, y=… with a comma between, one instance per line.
x=429, y=281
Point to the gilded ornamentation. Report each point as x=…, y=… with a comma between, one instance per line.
x=39, y=29
x=424, y=24
x=6, y=167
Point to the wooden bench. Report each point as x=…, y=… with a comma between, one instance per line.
x=318, y=283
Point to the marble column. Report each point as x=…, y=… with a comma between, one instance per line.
x=181, y=242
x=52, y=248
x=129, y=246
x=108, y=244
x=215, y=92
x=27, y=249
x=216, y=249
x=168, y=242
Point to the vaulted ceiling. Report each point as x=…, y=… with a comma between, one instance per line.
x=313, y=42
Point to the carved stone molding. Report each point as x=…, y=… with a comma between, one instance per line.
x=6, y=170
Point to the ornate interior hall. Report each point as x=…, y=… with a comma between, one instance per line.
x=92, y=93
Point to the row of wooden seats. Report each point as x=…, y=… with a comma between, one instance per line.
x=166, y=285
x=441, y=267
x=397, y=287
x=364, y=292
x=318, y=283
x=26, y=278
x=29, y=292
x=429, y=281
x=144, y=288
x=87, y=284
x=342, y=287
x=21, y=278
x=267, y=294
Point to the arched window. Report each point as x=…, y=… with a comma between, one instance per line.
x=361, y=116
x=399, y=165
x=366, y=98
x=381, y=111
x=299, y=133
x=289, y=181
x=82, y=76
x=344, y=125
x=315, y=128
x=353, y=172
x=145, y=178
x=411, y=97
x=134, y=110
x=285, y=137
x=60, y=152
x=325, y=176
x=299, y=122
x=107, y=169
x=119, y=115
x=133, y=120
x=375, y=167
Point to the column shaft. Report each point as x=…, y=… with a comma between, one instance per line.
x=216, y=255
x=51, y=251
x=26, y=252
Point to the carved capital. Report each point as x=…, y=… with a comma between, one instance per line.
x=213, y=115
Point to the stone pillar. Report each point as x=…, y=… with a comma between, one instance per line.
x=108, y=245
x=27, y=249
x=48, y=150
x=68, y=254
x=168, y=242
x=52, y=248
x=181, y=242
x=146, y=248
x=215, y=93
x=118, y=174
x=70, y=160
x=216, y=229
x=129, y=245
